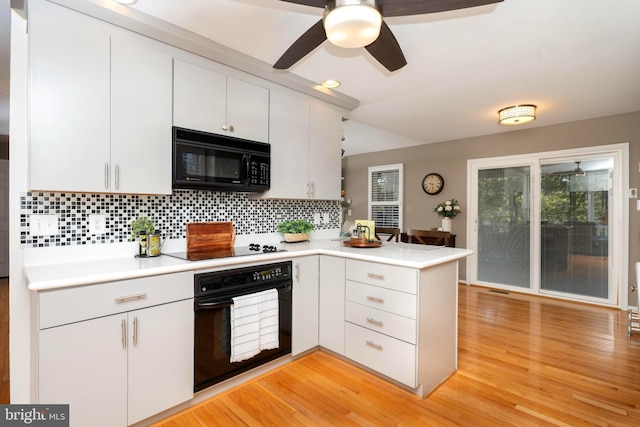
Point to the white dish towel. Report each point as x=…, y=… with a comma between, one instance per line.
x=254, y=324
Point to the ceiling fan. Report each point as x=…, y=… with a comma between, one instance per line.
x=578, y=171
x=358, y=23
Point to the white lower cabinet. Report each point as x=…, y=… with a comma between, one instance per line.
x=305, y=304
x=382, y=319
x=332, y=303
x=119, y=369
x=389, y=356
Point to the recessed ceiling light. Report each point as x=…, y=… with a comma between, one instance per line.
x=330, y=84
x=127, y=2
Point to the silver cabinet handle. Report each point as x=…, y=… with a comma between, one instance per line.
x=375, y=276
x=228, y=128
x=131, y=297
x=375, y=299
x=117, y=177
x=106, y=176
x=135, y=330
x=374, y=345
x=297, y=272
x=124, y=333
x=375, y=322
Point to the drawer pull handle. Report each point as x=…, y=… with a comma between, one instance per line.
x=131, y=297
x=375, y=322
x=374, y=345
x=375, y=276
x=375, y=299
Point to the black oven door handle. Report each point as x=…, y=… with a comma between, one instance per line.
x=228, y=302
x=213, y=305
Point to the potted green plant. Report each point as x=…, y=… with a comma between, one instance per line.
x=295, y=230
x=140, y=228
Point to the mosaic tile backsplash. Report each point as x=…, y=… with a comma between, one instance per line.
x=170, y=213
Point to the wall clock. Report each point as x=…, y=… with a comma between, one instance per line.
x=433, y=184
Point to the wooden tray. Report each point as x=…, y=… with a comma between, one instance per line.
x=374, y=244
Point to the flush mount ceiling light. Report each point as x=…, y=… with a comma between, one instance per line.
x=330, y=84
x=352, y=23
x=126, y=2
x=517, y=115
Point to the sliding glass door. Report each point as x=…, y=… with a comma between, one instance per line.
x=575, y=201
x=503, y=225
x=547, y=223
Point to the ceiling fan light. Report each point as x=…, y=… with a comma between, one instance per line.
x=517, y=115
x=352, y=23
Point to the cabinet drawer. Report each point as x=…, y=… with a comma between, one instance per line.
x=59, y=307
x=387, y=276
x=390, y=324
x=391, y=357
x=383, y=299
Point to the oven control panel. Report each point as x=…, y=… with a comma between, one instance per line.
x=226, y=280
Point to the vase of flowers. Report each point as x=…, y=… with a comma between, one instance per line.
x=447, y=210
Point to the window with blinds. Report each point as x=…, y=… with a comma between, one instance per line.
x=385, y=195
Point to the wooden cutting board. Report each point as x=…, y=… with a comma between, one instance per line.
x=208, y=236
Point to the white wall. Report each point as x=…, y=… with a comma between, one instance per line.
x=19, y=313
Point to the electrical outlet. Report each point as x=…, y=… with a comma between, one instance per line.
x=325, y=217
x=43, y=225
x=633, y=193
x=316, y=218
x=97, y=224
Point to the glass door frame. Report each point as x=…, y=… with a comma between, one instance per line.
x=619, y=217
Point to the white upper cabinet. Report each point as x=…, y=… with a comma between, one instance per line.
x=305, y=149
x=69, y=100
x=289, y=138
x=140, y=116
x=100, y=106
x=325, y=147
x=210, y=101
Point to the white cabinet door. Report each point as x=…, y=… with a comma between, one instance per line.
x=199, y=98
x=69, y=100
x=247, y=110
x=160, y=358
x=325, y=152
x=332, y=303
x=209, y=101
x=84, y=365
x=305, y=304
x=141, y=103
x=289, y=139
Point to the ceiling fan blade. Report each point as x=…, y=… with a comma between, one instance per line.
x=314, y=3
x=421, y=7
x=386, y=49
x=311, y=39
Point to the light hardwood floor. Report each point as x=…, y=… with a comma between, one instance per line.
x=523, y=361
x=4, y=340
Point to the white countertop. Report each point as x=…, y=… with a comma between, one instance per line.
x=59, y=275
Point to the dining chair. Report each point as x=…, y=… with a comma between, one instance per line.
x=392, y=232
x=428, y=237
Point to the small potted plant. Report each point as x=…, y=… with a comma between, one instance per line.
x=140, y=228
x=295, y=230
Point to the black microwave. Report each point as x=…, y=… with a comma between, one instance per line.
x=208, y=161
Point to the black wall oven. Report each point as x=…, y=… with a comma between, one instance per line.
x=213, y=299
x=208, y=161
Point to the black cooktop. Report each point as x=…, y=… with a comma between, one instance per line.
x=252, y=249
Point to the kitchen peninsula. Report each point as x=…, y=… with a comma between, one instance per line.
x=391, y=310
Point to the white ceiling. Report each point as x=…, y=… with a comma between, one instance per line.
x=575, y=59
